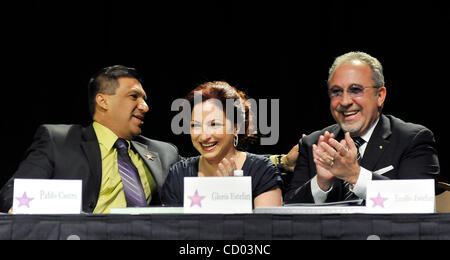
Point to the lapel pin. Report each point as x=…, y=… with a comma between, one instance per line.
x=381, y=147
x=149, y=157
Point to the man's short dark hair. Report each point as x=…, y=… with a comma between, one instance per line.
x=106, y=82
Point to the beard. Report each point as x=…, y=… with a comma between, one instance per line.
x=351, y=127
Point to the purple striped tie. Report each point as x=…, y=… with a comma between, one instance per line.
x=132, y=186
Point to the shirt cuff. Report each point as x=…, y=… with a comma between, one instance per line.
x=318, y=194
x=360, y=188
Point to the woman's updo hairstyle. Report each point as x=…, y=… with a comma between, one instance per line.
x=223, y=91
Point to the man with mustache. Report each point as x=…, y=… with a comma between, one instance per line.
x=338, y=162
x=118, y=166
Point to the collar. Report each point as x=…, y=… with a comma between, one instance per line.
x=105, y=136
x=366, y=136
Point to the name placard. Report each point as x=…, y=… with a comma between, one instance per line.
x=220, y=195
x=401, y=196
x=38, y=196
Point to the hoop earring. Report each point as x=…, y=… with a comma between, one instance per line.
x=236, y=141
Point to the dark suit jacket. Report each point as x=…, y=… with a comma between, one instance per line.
x=409, y=148
x=73, y=152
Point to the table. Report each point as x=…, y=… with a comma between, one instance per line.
x=226, y=227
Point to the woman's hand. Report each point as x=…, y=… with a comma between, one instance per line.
x=226, y=167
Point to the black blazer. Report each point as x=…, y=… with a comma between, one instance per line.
x=73, y=152
x=409, y=148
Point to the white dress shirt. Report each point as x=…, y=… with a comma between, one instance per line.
x=365, y=176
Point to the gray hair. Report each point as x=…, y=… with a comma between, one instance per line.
x=375, y=65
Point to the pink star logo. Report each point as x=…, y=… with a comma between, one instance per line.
x=378, y=201
x=24, y=200
x=196, y=199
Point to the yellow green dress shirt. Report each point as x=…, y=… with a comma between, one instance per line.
x=112, y=194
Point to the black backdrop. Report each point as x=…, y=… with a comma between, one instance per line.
x=268, y=49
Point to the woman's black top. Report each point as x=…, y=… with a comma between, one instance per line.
x=265, y=177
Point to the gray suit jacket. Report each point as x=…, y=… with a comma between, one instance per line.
x=73, y=152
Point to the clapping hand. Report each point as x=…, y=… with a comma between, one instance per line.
x=323, y=162
x=226, y=167
x=337, y=159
